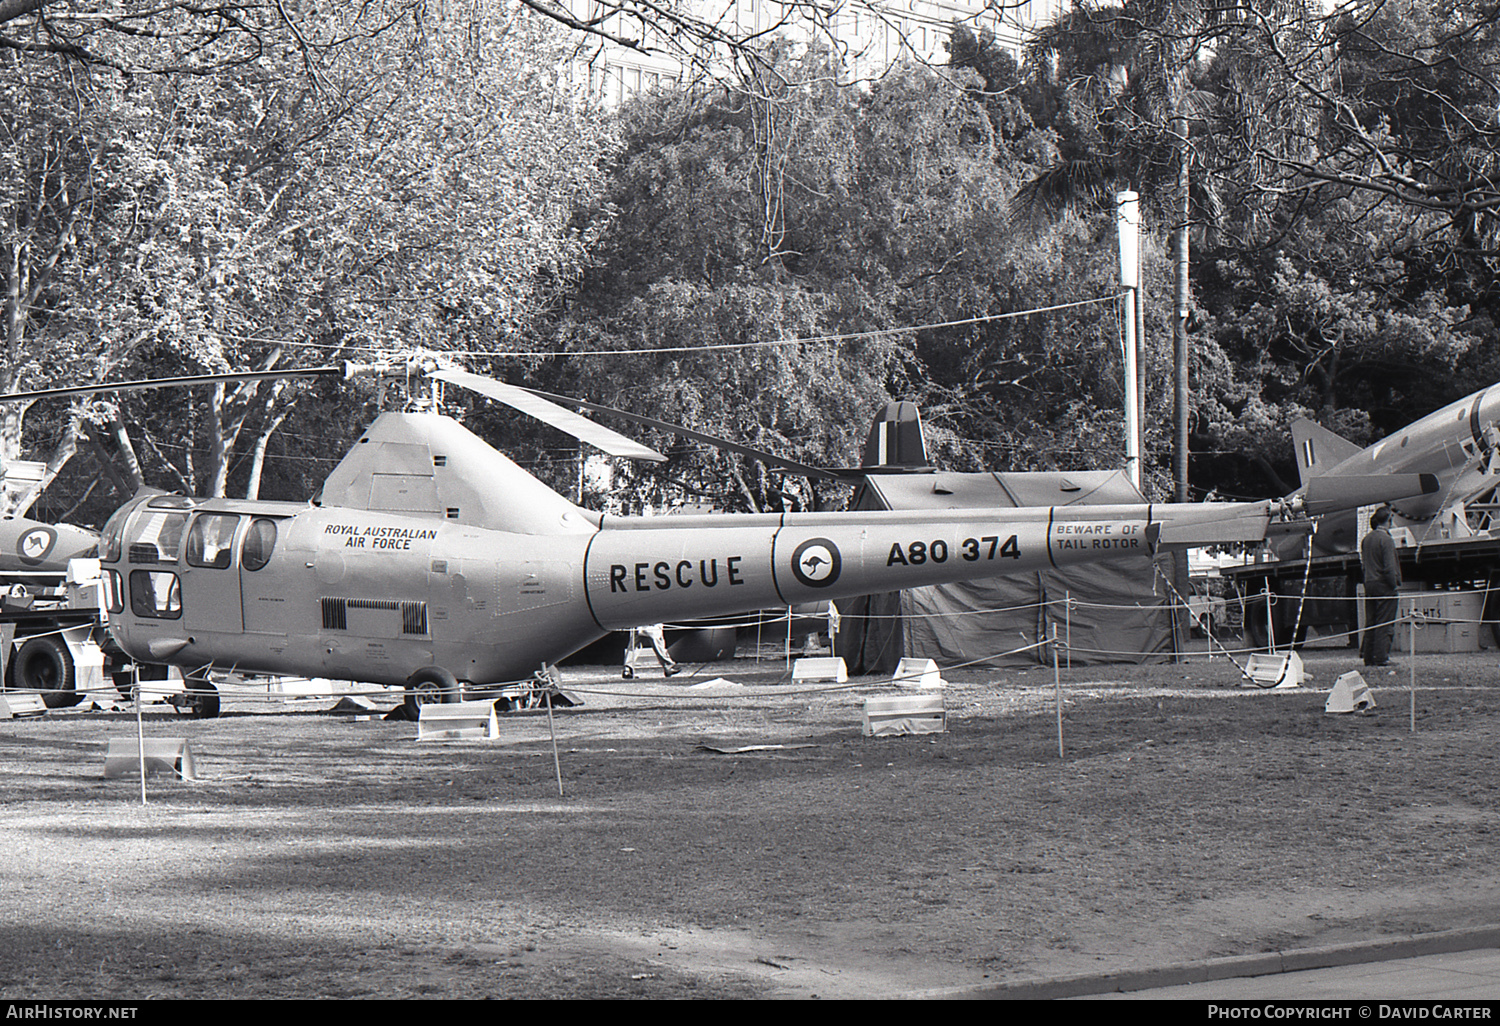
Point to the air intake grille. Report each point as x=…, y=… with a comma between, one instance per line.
x=336, y=613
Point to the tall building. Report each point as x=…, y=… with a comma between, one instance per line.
x=871, y=35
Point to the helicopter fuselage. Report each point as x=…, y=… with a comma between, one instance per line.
x=371, y=596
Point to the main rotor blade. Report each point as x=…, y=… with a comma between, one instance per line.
x=195, y=379
x=713, y=440
x=565, y=420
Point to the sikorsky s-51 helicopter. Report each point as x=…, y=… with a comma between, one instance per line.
x=431, y=561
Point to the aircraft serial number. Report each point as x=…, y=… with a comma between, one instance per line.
x=971, y=549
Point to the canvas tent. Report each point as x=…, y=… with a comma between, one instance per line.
x=1120, y=612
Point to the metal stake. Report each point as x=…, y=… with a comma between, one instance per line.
x=140, y=728
x=556, y=763
x=1411, y=660
x=1057, y=689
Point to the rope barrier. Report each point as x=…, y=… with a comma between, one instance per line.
x=1175, y=602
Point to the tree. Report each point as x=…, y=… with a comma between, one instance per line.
x=405, y=196
x=869, y=187
x=1342, y=293
x=1405, y=93
x=175, y=37
x=726, y=42
x=894, y=275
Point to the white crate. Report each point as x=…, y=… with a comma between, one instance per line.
x=918, y=673
x=1448, y=621
x=905, y=714
x=820, y=668
x=457, y=721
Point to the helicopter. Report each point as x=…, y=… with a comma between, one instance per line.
x=432, y=562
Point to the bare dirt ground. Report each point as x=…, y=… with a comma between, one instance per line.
x=1190, y=816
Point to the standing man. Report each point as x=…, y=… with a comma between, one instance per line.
x=655, y=633
x=1377, y=555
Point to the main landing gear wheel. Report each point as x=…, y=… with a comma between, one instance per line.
x=200, y=700
x=428, y=685
x=149, y=675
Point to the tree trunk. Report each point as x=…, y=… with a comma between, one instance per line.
x=127, y=453
x=218, y=449
x=107, y=465
x=60, y=456
x=258, y=454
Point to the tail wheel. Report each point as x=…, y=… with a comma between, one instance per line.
x=44, y=664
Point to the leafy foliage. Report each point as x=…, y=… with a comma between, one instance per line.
x=885, y=267
x=403, y=195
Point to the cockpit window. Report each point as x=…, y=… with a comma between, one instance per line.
x=109, y=537
x=209, y=540
x=157, y=537
x=260, y=541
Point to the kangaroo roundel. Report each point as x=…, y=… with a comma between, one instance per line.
x=35, y=544
x=816, y=562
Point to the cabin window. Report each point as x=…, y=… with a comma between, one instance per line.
x=209, y=540
x=260, y=542
x=155, y=593
x=157, y=537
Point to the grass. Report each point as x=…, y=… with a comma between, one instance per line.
x=1189, y=817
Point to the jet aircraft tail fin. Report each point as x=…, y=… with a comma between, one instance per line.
x=1318, y=449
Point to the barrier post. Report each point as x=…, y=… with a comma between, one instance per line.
x=140, y=727
x=556, y=762
x=1057, y=690
x=1411, y=662
x=1068, y=624
x=1270, y=627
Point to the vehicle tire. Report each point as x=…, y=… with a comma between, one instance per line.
x=44, y=664
x=1254, y=622
x=201, y=699
x=429, y=684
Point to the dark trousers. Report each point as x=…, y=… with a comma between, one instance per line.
x=1380, y=624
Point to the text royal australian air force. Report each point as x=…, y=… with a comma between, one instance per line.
x=379, y=537
x=702, y=566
